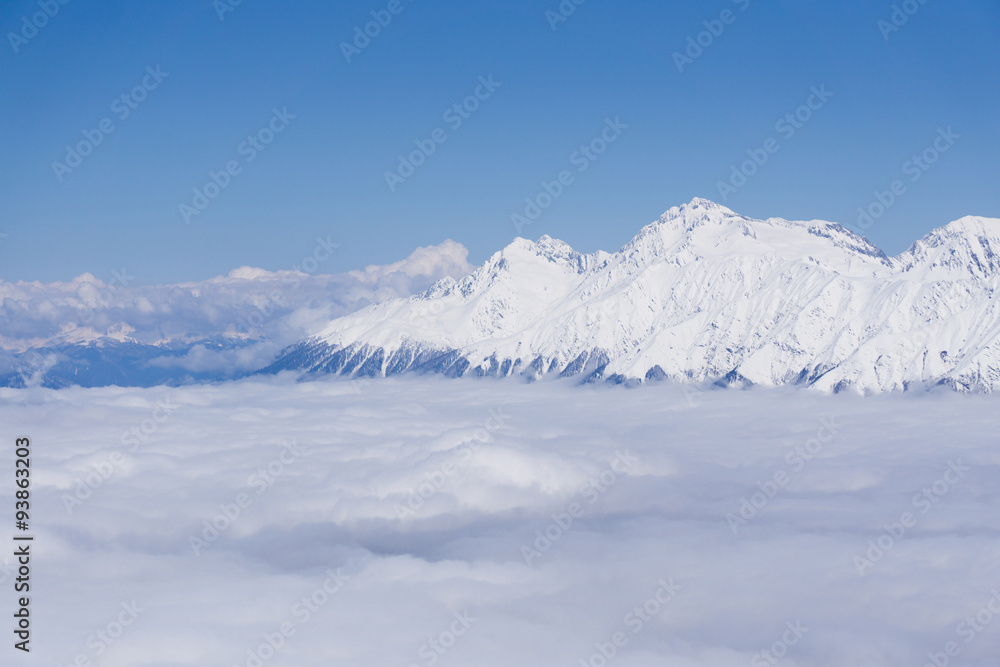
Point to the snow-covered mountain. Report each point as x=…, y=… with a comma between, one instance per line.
x=702, y=294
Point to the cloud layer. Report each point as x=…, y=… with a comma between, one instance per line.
x=432, y=521
x=279, y=306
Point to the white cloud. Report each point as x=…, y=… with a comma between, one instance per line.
x=369, y=445
x=429, y=263
x=200, y=359
x=281, y=306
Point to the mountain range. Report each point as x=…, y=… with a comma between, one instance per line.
x=701, y=295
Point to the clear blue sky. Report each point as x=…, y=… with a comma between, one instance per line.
x=325, y=172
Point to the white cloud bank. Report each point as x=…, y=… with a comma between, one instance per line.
x=334, y=544
x=281, y=306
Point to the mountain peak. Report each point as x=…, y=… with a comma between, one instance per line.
x=700, y=221
x=555, y=247
x=974, y=224
x=699, y=213
x=701, y=202
x=970, y=244
x=546, y=247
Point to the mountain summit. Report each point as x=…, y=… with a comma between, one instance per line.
x=702, y=294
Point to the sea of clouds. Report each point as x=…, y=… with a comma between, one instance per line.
x=432, y=521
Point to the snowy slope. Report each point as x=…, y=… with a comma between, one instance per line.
x=702, y=294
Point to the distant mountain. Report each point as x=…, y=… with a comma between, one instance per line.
x=700, y=295
x=105, y=361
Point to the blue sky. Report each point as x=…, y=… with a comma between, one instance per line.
x=324, y=172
